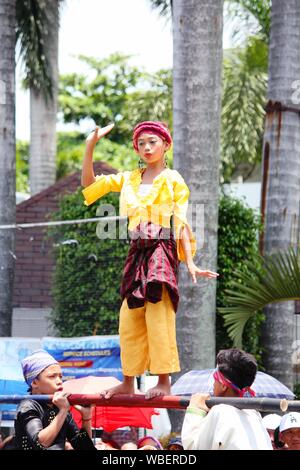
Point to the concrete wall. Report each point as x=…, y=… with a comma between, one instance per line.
x=31, y=322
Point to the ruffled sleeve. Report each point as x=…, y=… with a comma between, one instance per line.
x=103, y=185
x=181, y=196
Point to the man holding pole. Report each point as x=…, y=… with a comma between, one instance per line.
x=43, y=426
x=225, y=426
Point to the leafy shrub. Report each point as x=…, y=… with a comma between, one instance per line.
x=238, y=231
x=88, y=271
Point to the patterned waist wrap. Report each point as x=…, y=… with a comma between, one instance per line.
x=151, y=261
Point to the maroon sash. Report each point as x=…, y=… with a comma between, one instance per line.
x=151, y=261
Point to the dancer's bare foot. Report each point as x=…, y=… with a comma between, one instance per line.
x=126, y=387
x=162, y=388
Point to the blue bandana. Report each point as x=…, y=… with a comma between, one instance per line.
x=34, y=364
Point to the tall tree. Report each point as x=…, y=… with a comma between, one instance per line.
x=281, y=175
x=197, y=65
x=37, y=31
x=7, y=160
x=43, y=110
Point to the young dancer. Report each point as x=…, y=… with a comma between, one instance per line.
x=150, y=196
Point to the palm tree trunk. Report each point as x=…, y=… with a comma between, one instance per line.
x=281, y=175
x=43, y=113
x=7, y=160
x=197, y=57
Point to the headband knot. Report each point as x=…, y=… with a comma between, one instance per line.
x=219, y=377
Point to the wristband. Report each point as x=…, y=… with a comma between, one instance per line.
x=196, y=411
x=87, y=419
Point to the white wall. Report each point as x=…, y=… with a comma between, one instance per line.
x=249, y=192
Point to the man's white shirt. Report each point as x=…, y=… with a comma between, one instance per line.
x=224, y=428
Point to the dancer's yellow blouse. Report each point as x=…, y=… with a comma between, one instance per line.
x=168, y=196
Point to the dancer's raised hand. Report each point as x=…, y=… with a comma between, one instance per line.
x=97, y=134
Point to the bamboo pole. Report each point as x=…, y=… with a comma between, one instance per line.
x=269, y=405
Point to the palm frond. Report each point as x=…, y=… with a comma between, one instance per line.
x=34, y=20
x=248, y=10
x=275, y=279
x=244, y=96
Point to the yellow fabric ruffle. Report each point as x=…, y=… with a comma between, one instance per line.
x=168, y=196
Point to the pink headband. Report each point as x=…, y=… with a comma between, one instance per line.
x=153, y=127
x=219, y=377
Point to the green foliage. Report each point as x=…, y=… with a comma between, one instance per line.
x=88, y=271
x=256, y=55
x=238, y=231
x=115, y=91
x=152, y=103
x=22, y=166
x=274, y=278
x=244, y=97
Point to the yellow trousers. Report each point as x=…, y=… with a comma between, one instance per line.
x=148, y=338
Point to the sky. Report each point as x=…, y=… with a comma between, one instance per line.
x=98, y=28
